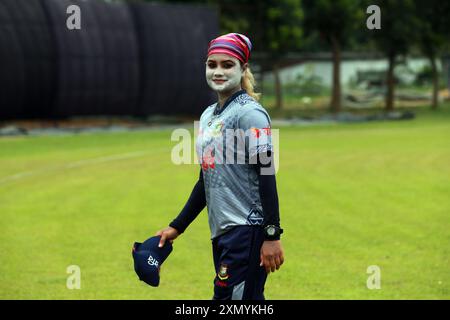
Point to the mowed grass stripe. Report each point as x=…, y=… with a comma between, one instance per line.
x=351, y=196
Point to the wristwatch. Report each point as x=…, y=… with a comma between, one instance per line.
x=272, y=232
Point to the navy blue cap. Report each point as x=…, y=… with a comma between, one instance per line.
x=148, y=258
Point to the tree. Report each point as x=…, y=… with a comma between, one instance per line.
x=274, y=26
x=397, y=35
x=337, y=21
x=280, y=32
x=433, y=34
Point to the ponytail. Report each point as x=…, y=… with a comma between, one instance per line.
x=248, y=84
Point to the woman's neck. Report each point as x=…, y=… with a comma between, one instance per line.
x=223, y=96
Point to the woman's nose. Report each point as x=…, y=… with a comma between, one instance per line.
x=218, y=72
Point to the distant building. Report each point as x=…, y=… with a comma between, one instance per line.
x=355, y=68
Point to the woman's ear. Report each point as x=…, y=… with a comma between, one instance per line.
x=244, y=66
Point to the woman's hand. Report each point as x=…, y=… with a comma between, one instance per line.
x=272, y=255
x=168, y=233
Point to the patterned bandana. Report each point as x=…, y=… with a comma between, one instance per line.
x=233, y=44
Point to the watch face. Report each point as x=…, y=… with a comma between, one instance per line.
x=271, y=231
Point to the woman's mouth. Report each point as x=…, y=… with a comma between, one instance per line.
x=219, y=81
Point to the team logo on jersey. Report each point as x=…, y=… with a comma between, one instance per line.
x=208, y=160
x=267, y=131
x=217, y=129
x=256, y=132
x=259, y=132
x=223, y=272
x=214, y=130
x=255, y=217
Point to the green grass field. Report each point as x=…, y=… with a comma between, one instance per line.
x=351, y=196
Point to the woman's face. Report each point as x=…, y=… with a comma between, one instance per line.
x=223, y=72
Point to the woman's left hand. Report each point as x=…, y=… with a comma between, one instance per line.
x=272, y=255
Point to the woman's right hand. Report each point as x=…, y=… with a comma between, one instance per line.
x=168, y=233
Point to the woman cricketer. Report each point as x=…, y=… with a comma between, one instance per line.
x=241, y=196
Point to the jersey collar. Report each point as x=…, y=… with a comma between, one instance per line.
x=218, y=111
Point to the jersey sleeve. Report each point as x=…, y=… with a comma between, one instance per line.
x=257, y=127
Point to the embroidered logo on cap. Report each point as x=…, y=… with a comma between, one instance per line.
x=152, y=261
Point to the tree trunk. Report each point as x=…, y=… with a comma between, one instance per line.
x=434, y=104
x=278, y=89
x=335, y=105
x=390, y=84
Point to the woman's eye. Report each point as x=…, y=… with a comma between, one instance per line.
x=228, y=66
x=211, y=65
